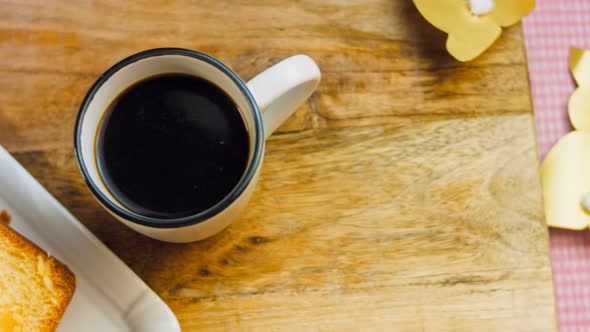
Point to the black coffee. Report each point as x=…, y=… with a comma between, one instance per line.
x=171, y=146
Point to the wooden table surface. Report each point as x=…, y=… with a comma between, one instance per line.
x=403, y=196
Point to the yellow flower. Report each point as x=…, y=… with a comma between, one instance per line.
x=472, y=25
x=565, y=173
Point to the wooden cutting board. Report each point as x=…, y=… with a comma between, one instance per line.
x=403, y=196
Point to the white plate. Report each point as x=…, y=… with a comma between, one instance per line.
x=109, y=296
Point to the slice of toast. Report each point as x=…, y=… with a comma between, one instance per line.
x=35, y=288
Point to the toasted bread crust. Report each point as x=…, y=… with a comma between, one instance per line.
x=5, y=217
x=63, y=280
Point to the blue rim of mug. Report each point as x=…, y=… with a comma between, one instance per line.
x=202, y=216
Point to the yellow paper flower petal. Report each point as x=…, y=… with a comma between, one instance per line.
x=509, y=12
x=565, y=178
x=579, y=105
x=580, y=65
x=470, y=35
x=467, y=46
x=579, y=109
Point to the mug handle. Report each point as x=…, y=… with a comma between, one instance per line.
x=282, y=88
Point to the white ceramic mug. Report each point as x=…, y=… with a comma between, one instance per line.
x=265, y=102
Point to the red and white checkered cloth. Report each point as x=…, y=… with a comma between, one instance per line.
x=550, y=31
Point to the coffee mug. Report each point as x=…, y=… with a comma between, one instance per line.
x=264, y=102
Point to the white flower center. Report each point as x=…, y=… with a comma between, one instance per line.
x=480, y=7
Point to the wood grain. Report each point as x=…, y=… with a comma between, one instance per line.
x=379, y=59
x=403, y=196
